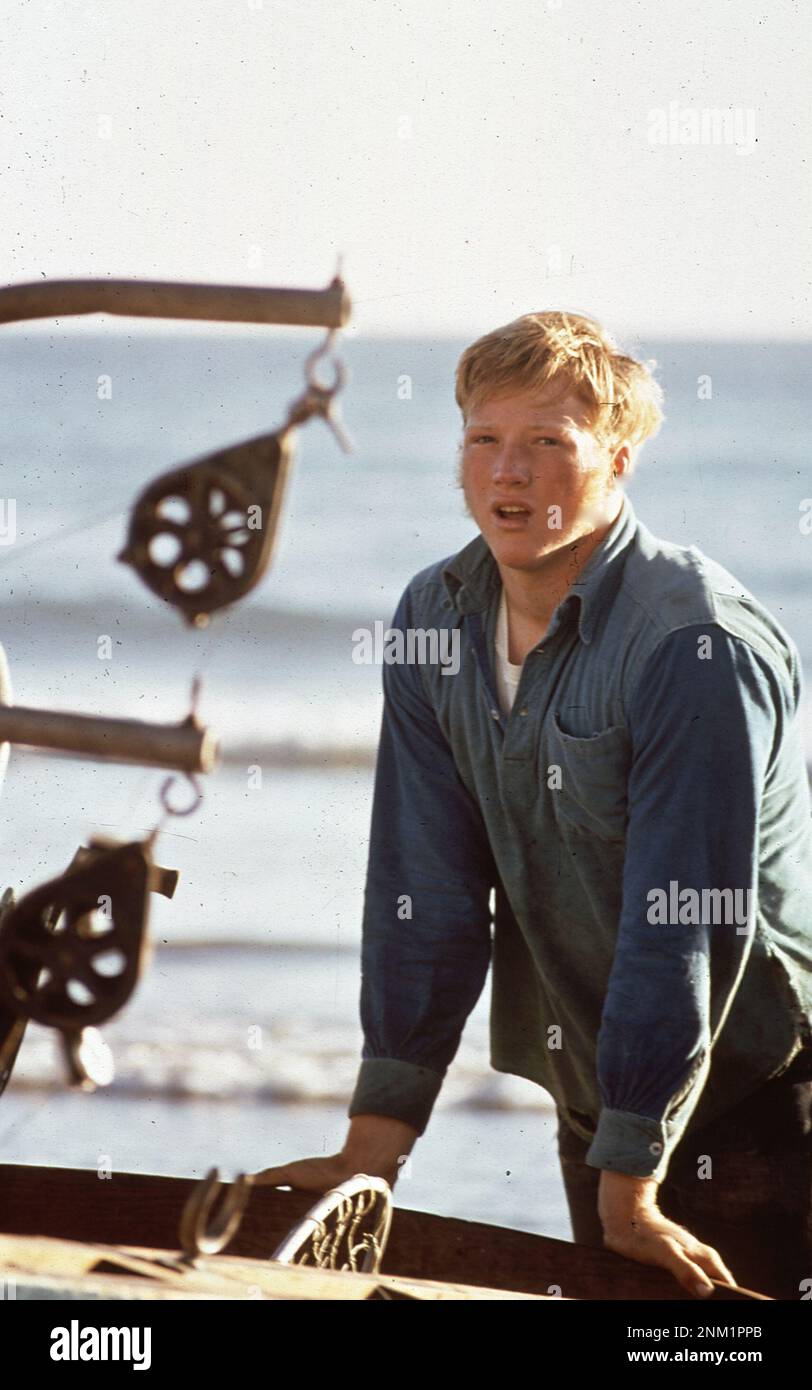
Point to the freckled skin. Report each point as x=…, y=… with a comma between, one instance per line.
x=526, y=448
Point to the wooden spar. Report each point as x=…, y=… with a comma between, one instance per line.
x=144, y=1209
x=172, y=299
x=184, y=747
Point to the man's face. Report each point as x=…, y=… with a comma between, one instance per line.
x=517, y=451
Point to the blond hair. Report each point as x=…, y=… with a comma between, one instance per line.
x=571, y=355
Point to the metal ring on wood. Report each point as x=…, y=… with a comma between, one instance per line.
x=200, y=1234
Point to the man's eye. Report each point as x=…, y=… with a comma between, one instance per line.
x=481, y=438
x=546, y=439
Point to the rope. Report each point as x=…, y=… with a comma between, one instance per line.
x=55, y=537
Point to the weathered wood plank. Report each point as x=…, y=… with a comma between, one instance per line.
x=44, y=1267
x=144, y=1209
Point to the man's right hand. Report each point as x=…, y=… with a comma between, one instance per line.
x=375, y=1145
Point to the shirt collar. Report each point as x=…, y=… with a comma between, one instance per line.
x=472, y=578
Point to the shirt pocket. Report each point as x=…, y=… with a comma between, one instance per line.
x=593, y=796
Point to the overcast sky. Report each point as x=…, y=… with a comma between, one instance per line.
x=471, y=161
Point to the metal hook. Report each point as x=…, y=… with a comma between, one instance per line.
x=180, y=811
x=326, y=349
x=196, y=1236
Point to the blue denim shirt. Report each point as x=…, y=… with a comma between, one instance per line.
x=652, y=756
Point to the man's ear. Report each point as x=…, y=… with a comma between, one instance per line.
x=623, y=461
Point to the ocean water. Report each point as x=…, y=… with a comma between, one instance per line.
x=261, y=940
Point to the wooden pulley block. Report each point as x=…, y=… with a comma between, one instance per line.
x=72, y=950
x=12, y=1026
x=202, y=536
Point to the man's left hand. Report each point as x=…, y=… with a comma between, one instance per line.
x=634, y=1226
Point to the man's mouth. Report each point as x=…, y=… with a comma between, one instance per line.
x=512, y=514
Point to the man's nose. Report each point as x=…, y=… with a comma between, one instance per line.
x=511, y=465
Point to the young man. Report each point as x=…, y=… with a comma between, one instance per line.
x=618, y=757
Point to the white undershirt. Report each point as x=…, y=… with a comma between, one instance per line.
x=507, y=674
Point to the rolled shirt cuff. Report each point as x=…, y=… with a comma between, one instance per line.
x=399, y=1090
x=632, y=1144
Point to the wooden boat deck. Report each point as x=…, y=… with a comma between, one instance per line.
x=38, y=1267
